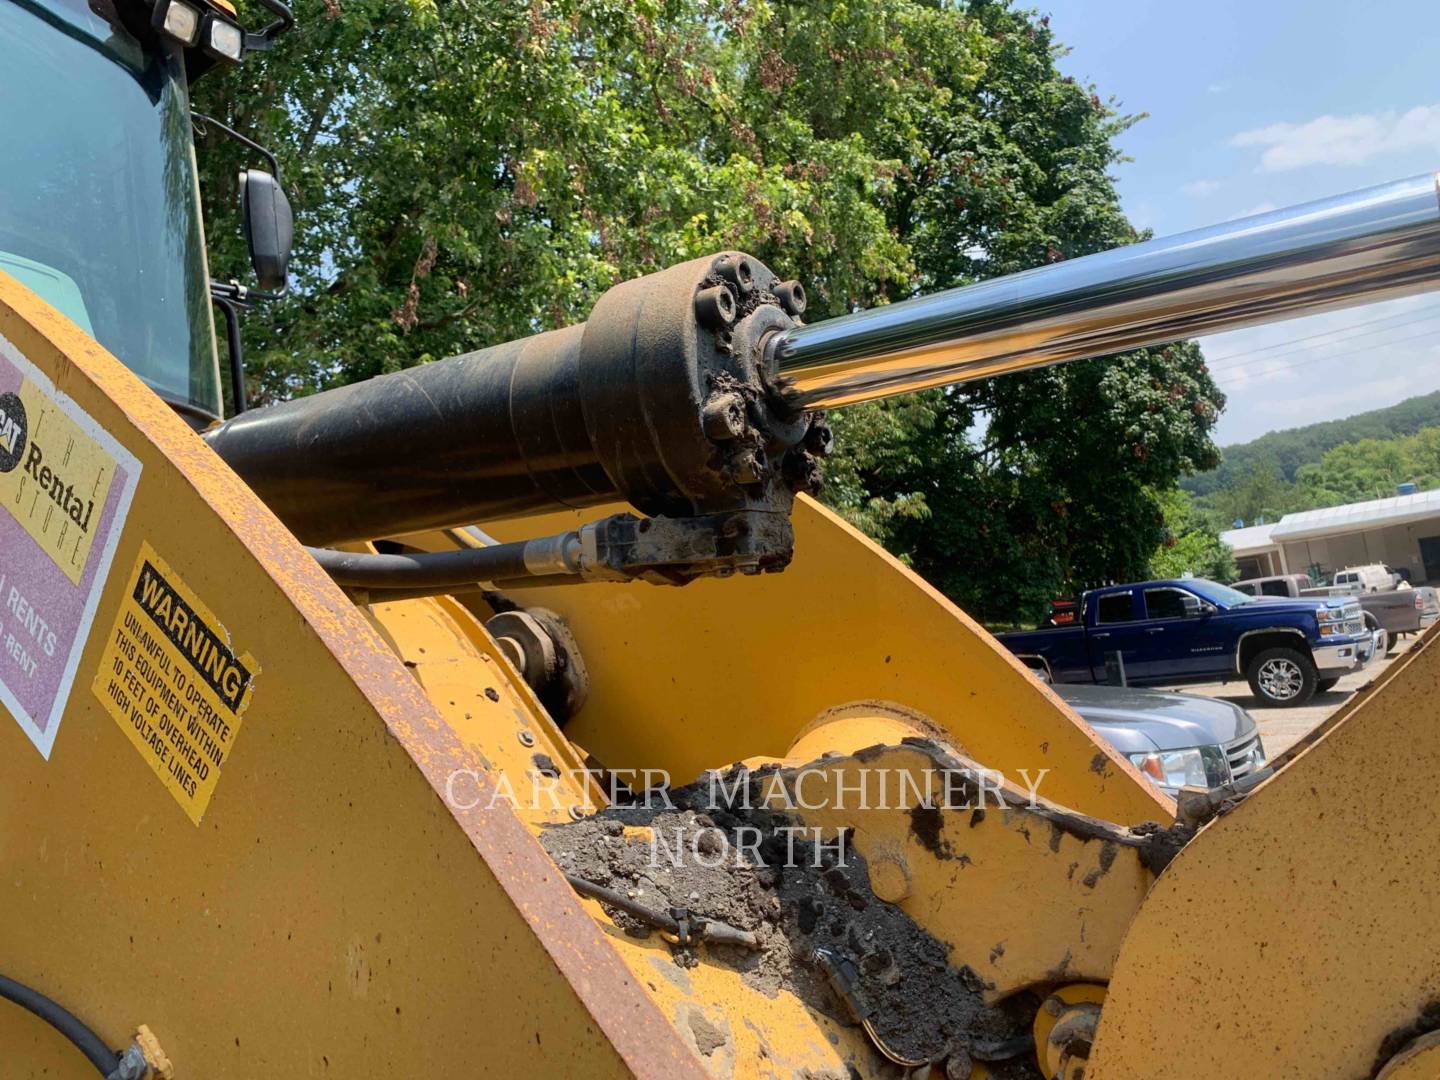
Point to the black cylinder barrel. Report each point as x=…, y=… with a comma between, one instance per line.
x=610, y=408
x=489, y=434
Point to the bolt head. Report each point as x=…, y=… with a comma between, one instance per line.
x=723, y=417
x=739, y=271
x=715, y=307
x=750, y=469
x=791, y=295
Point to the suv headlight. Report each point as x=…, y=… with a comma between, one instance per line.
x=1174, y=768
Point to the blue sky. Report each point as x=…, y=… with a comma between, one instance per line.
x=1262, y=104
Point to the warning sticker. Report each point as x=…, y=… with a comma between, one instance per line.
x=65, y=488
x=172, y=680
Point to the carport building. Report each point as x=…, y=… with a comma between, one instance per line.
x=1256, y=552
x=1403, y=532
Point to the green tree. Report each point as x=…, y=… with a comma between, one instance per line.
x=468, y=173
x=1291, y=449
x=472, y=171
x=1191, y=545
x=1422, y=459
x=1353, y=471
x=1356, y=471
x=1258, y=491
x=1009, y=492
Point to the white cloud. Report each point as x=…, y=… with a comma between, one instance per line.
x=1295, y=397
x=1325, y=366
x=1199, y=189
x=1361, y=396
x=1343, y=140
x=1217, y=88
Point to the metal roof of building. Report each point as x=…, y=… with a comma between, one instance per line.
x=1251, y=540
x=1353, y=517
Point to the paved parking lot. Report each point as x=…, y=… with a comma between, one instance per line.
x=1281, y=728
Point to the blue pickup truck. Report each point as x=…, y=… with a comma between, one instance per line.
x=1195, y=630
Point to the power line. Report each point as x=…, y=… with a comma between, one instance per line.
x=1327, y=333
x=1311, y=351
x=1289, y=346
x=1340, y=356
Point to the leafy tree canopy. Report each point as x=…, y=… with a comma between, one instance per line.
x=1258, y=492
x=1286, y=451
x=1370, y=469
x=1191, y=544
x=470, y=171
x=1349, y=472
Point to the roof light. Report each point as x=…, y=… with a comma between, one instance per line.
x=224, y=40
x=180, y=21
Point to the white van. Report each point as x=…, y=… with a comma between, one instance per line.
x=1363, y=579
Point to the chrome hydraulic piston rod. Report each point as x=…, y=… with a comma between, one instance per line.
x=697, y=394
x=1370, y=245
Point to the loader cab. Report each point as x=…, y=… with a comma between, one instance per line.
x=99, y=203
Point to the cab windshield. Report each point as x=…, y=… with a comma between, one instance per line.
x=99, y=210
x=1216, y=593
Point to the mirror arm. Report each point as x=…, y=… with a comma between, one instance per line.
x=265, y=38
x=210, y=121
x=242, y=295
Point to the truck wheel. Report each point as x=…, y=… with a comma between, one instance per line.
x=1282, y=677
x=1372, y=624
x=1325, y=684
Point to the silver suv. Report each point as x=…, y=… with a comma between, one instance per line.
x=1175, y=740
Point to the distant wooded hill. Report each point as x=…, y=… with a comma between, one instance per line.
x=1288, y=450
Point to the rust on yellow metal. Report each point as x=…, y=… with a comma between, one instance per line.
x=1295, y=934
x=720, y=671
x=331, y=914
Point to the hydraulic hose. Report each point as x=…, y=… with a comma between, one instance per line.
x=105, y=1060
x=425, y=573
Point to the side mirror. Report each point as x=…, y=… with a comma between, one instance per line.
x=1191, y=604
x=269, y=227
